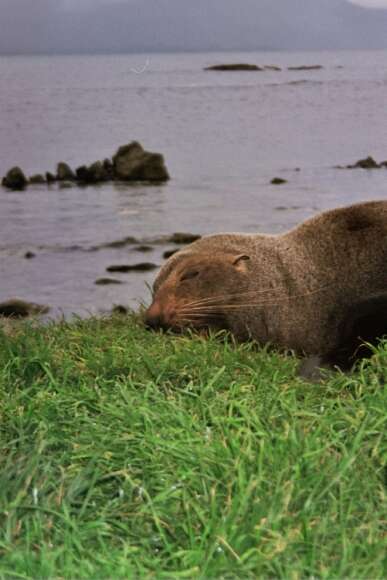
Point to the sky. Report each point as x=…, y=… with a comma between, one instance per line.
x=88, y=26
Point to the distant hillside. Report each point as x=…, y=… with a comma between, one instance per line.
x=152, y=25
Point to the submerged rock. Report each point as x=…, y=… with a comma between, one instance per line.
x=16, y=308
x=143, y=248
x=107, y=281
x=37, y=179
x=179, y=238
x=124, y=268
x=168, y=253
x=278, y=181
x=15, y=179
x=64, y=172
x=234, y=67
x=306, y=67
x=133, y=163
x=183, y=238
x=129, y=240
x=272, y=67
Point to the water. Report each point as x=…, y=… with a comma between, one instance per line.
x=224, y=137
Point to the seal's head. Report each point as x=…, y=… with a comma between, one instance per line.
x=198, y=290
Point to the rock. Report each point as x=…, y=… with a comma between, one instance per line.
x=306, y=67
x=37, y=179
x=50, y=178
x=183, y=238
x=367, y=163
x=286, y=208
x=272, y=67
x=133, y=163
x=97, y=172
x=64, y=172
x=141, y=267
x=82, y=174
x=119, y=309
x=106, y=281
x=278, y=181
x=234, y=67
x=16, y=308
x=143, y=248
x=29, y=255
x=15, y=179
x=108, y=167
x=119, y=243
x=168, y=253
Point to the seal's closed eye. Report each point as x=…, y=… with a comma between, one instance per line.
x=189, y=275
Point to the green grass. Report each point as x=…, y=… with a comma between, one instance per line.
x=130, y=454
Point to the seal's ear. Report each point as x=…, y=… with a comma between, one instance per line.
x=240, y=262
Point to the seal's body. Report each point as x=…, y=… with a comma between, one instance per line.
x=319, y=289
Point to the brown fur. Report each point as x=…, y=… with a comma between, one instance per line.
x=320, y=288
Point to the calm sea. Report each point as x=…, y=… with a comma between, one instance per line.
x=224, y=137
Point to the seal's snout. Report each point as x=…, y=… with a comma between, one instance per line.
x=153, y=322
x=154, y=318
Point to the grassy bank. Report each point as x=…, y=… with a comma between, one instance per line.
x=125, y=453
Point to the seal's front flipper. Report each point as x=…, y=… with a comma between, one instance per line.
x=314, y=368
x=364, y=324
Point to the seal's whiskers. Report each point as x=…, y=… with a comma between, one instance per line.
x=209, y=300
x=230, y=295
x=208, y=308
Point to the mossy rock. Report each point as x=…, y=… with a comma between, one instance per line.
x=64, y=172
x=133, y=163
x=37, y=179
x=15, y=179
x=16, y=308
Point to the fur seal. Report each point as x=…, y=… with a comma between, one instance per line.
x=319, y=289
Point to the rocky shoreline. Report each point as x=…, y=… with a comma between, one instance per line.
x=131, y=163
x=16, y=309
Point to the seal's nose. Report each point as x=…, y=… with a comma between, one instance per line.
x=153, y=319
x=153, y=322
